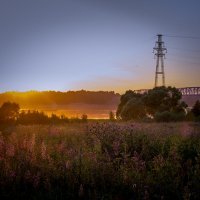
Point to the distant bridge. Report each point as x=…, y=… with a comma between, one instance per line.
x=190, y=91
x=187, y=91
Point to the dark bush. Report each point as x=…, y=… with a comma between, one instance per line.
x=167, y=116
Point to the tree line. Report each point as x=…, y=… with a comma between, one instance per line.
x=47, y=98
x=159, y=104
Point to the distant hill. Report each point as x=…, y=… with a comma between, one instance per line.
x=49, y=98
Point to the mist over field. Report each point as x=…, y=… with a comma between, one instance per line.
x=71, y=104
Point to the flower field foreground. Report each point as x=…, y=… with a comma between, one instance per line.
x=101, y=161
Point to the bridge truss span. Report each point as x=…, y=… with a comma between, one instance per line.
x=186, y=91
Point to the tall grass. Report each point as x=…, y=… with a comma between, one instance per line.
x=101, y=161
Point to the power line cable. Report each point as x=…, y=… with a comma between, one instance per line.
x=184, y=56
x=186, y=62
x=183, y=49
x=183, y=36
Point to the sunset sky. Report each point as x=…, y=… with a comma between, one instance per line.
x=96, y=44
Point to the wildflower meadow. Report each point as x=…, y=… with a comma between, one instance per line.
x=101, y=160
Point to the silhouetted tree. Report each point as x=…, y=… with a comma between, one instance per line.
x=196, y=109
x=162, y=99
x=111, y=116
x=55, y=119
x=133, y=109
x=84, y=118
x=162, y=102
x=9, y=112
x=33, y=117
x=125, y=98
x=64, y=119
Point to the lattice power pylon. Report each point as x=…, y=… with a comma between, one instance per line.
x=159, y=51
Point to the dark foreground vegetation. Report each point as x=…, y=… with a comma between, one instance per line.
x=101, y=161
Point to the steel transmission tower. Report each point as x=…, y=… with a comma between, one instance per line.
x=159, y=51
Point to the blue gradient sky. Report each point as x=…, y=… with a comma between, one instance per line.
x=96, y=44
